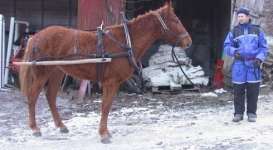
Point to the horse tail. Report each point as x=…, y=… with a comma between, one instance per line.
x=25, y=72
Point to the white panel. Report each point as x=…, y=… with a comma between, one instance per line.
x=1, y=50
x=10, y=44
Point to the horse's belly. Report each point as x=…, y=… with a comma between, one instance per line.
x=87, y=72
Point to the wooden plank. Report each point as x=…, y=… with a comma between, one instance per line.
x=64, y=62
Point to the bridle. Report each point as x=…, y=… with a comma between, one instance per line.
x=178, y=37
x=167, y=30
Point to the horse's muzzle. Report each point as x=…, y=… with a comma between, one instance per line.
x=186, y=42
x=188, y=45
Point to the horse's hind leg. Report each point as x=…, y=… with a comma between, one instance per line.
x=32, y=95
x=53, y=85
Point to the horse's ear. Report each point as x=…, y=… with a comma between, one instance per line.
x=168, y=3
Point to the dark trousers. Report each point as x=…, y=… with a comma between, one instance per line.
x=251, y=92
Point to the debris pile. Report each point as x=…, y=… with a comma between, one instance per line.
x=163, y=71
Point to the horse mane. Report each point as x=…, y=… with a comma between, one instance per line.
x=140, y=17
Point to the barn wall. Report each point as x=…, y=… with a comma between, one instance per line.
x=267, y=22
x=41, y=13
x=93, y=12
x=136, y=7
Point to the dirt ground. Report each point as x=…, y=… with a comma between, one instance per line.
x=185, y=120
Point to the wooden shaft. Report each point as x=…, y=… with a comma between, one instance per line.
x=64, y=62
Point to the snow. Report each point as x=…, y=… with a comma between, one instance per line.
x=220, y=91
x=269, y=40
x=209, y=94
x=155, y=127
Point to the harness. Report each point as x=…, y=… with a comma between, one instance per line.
x=131, y=57
x=129, y=53
x=100, y=53
x=179, y=37
x=128, y=49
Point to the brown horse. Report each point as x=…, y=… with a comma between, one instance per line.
x=56, y=42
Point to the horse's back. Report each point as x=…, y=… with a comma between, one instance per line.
x=57, y=40
x=56, y=28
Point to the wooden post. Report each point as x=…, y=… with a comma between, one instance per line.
x=2, y=48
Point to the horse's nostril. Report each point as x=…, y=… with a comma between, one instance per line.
x=189, y=45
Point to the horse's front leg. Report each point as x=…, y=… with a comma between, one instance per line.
x=109, y=90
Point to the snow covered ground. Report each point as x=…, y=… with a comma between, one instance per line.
x=184, y=121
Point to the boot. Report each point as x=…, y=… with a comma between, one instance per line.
x=251, y=117
x=238, y=117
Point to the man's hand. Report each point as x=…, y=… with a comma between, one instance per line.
x=257, y=63
x=237, y=55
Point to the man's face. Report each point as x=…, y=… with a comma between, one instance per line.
x=243, y=18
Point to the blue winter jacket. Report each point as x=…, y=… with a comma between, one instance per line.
x=249, y=41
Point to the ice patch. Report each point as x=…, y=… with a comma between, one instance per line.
x=220, y=91
x=209, y=94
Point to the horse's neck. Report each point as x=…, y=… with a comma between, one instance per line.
x=144, y=32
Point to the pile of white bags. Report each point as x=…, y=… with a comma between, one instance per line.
x=163, y=71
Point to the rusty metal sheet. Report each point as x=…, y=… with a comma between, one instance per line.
x=92, y=12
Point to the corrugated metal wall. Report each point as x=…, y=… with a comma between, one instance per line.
x=92, y=12
x=41, y=13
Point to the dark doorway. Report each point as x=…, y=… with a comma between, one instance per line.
x=207, y=21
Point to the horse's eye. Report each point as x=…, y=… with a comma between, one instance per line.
x=176, y=21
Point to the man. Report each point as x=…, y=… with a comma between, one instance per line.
x=246, y=43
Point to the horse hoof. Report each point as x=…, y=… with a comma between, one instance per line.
x=105, y=140
x=64, y=130
x=37, y=134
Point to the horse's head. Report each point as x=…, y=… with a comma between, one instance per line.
x=174, y=31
